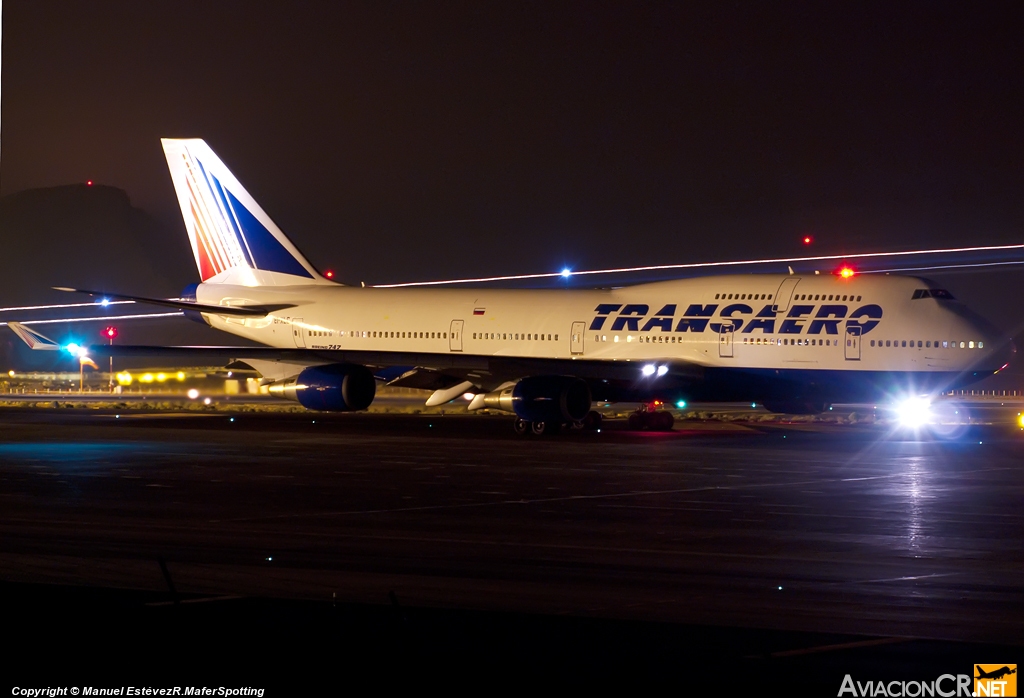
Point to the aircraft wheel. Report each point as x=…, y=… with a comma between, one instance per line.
x=540, y=428
x=637, y=421
x=592, y=422
x=663, y=421
x=521, y=426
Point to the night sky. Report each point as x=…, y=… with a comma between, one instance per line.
x=401, y=141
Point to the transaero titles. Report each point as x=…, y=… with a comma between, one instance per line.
x=799, y=319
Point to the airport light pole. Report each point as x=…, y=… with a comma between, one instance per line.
x=110, y=333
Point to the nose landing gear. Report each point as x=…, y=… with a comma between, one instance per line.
x=649, y=417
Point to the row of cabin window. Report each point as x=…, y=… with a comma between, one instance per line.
x=798, y=297
x=821, y=297
x=529, y=336
x=675, y=339
x=648, y=339
x=743, y=296
x=369, y=334
x=945, y=345
x=772, y=341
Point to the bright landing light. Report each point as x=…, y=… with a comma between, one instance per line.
x=914, y=412
x=648, y=370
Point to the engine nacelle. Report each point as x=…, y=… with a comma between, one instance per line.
x=330, y=388
x=541, y=399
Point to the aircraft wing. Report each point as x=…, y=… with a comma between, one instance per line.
x=431, y=368
x=228, y=310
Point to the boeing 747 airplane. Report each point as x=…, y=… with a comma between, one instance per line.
x=794, y=343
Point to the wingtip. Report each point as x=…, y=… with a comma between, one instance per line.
x=33, y=339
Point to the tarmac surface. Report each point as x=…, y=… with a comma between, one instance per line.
x=753, y=539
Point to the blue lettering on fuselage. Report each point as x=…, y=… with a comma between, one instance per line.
x=728, y=314
x=632, y=324
x=793, y=325
x=830, y=326
x=765, y=321
x=869, y=311
x=603, y=311
x=698, y=318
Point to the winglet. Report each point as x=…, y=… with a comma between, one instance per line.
x=33, y=339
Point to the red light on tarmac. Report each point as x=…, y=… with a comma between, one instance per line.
x=110, y=332
x=88, y=182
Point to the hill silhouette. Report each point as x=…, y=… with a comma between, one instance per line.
x=86, y=236
x=89, y=237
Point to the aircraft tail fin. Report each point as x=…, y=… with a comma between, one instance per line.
x=233, y=239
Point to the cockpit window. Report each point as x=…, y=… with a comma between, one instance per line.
x=933, y=293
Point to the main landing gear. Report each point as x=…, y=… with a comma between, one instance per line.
x=522, y=427
x=648, y=417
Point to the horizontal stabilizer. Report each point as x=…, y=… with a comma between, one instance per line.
x=33, y=339
x=228, y=310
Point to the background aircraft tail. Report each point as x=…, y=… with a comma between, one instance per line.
x=234, y=241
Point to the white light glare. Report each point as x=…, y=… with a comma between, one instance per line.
x=76, y=350
x=648, y=370
x=914, y=412
x=566, y=273
x=193, y=394
x=662, y=370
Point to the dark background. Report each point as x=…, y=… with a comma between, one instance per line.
x=401, y=141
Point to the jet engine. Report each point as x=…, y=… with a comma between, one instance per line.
x=540, y=399
x=330, y=388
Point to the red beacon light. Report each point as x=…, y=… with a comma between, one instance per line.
x=110, y=332
x=846, y=272
x=808, y=239
x=329, y=274
x=88, y=182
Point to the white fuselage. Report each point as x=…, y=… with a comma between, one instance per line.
x=742, y=321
